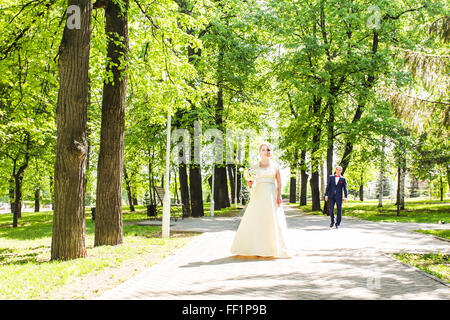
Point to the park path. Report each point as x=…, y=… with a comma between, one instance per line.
x=352, y=262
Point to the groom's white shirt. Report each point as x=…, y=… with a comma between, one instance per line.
x=336, y=180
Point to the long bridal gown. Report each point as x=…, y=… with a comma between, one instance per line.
x=263, y=229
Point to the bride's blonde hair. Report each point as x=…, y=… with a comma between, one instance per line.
x=265, y=143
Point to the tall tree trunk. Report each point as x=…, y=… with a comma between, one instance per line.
x=11, y=194
x=52, y=193
x=315, y=160
x=151, y=195
x=150, y=187
x=15, y=185
x=361, y=189
x=315, y=193
x=195, y=179
x=293, y=180
x=195, y=173
x=441, y=188
x=68, y=235
x=293, y=184
x=397, y=202
x=294, y=165
x=184, y=189
x=88, y=133
x=330, y=149
x=330, y=138
x=402, y=185
x=232, y=180
x=221, y=197
x=239, y=184
x=401, y=174
x=322, y=183
x=37, y=197
x=108, y=219
x=381, y=177
x=176, y=197
x=127, y=183
x=20, y=206
x=17, y=198
x=304, y=179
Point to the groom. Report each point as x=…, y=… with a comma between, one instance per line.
x=333, y=193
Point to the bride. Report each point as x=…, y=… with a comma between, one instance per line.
x=262, y=231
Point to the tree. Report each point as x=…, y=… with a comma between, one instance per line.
x=68, y=236
x=382, y=169
x=108, y=219
x=128, y=187
x=27, y=95
x=430, y=159
x=361, y=169
x=20, y=162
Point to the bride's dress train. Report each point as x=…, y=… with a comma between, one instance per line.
x=263, y=229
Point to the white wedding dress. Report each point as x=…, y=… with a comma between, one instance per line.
x=263, y=229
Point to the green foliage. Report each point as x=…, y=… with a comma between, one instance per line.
x=28, y=88
x=272, y=60
x=437, y=264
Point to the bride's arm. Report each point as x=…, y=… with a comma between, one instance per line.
x=250, y=182
x=278, y=179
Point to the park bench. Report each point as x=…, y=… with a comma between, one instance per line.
x=160, y=193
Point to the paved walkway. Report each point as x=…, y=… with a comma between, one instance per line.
x=352, y=262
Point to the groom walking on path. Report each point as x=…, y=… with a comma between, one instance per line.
x=333, y=192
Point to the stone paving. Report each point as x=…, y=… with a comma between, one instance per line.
x=352, y=262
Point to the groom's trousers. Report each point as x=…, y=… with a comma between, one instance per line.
x=338, y=203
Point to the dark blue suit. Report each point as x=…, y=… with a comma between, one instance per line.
x=334, y=194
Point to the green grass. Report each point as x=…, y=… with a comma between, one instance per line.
x=415, y=211
x=436, y=264
x=26, y=271
x=443, y=233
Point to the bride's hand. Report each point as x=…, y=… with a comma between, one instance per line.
x=279, y=201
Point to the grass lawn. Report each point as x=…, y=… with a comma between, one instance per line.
x=443, y=233
x=26, y=271
x=433, y=263
x=415, y=211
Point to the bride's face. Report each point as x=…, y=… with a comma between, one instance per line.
x=265, y=152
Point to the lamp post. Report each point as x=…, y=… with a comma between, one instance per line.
x=211, y=212
x=166, y=200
